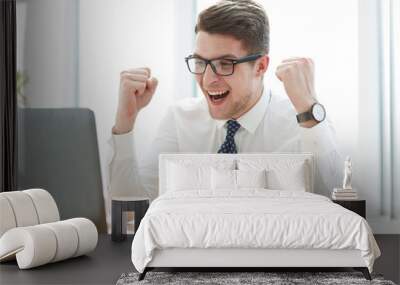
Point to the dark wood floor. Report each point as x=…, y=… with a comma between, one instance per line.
x=102, y=266
x=389, y=262
x=110, y=260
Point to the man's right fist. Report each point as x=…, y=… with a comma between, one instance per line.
x=135, y=92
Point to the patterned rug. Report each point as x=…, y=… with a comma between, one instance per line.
x=243, y=278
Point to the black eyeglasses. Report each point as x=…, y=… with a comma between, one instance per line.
x=220, y=66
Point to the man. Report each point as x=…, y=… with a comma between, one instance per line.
x=236, y=113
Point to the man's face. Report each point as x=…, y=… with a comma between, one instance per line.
x=242, y=88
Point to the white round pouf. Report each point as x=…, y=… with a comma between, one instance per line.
x=23, y=208
x=87, y=233
x=31, y=232
x=6, y=215
x=67, y=240
x=45, y=205
x=33, y=246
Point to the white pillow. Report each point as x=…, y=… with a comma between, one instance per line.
x=226, y=179
x=193, y=173
x=223, y=179
x=188, y=177
x=289, y=179
x=251, y=178
x=282, y=174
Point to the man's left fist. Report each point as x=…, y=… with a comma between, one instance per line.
x=297, y=75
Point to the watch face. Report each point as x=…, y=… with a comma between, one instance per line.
x=318, y=112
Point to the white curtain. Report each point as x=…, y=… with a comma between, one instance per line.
x=389, y=109
x=379, y=124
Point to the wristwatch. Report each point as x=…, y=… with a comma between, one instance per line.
x=317, y=113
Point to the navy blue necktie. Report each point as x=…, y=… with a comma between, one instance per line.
x=229, y=145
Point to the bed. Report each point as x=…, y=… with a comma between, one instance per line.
x=247, y=211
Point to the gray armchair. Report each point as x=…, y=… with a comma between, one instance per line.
x=58, y=151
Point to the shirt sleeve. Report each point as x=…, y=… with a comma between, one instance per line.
x=124, y=178
x=321, y=141
x=130, y=177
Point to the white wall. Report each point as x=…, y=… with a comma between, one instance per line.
x=125, y=34
x=117, y=35
x=315, y=30
x=47, y=50
x=341, y=37
x=326, y=31
x=74, y=51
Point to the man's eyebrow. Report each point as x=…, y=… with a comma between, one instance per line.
x=219, y=57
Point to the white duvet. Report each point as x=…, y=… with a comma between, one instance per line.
x=251, y=218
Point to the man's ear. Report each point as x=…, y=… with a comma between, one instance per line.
x=262, y=65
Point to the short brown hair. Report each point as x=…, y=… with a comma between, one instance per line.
x=245, y=20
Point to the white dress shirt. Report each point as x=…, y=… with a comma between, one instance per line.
x=270, y=126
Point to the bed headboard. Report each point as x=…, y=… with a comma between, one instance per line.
x=216, y=158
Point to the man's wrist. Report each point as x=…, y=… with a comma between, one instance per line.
x=117, y=131
x=123, y=125
x=311, y=116
x=304, y=105
x=309, y=124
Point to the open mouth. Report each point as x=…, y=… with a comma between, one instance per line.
x=217, y=97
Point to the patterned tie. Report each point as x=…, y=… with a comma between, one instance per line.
x=229, y=145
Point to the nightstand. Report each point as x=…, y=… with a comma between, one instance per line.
x=357, y=206
x=121, y=205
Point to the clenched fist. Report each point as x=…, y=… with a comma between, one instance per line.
x=297, y=76
x=135, y=92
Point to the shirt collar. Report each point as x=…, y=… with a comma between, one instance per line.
x=252, y=118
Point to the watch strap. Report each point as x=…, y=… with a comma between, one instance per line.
x=304, y=117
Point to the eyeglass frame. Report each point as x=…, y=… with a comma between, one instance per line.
x=246, y=58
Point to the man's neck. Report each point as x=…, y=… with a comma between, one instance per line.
x=259, y=93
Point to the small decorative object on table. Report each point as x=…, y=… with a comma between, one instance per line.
x=120, y=207
x=346, y=192
x=346, y=196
